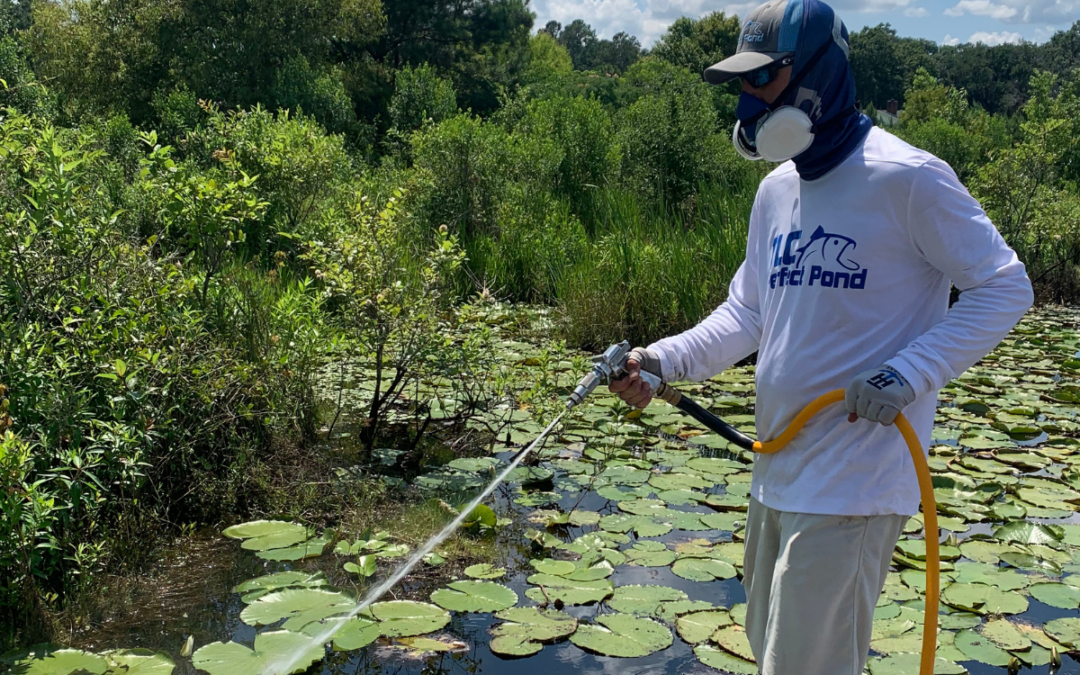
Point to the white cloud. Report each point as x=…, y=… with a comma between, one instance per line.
x=1020, y=11
x=916, y=12
x=950, y=41
x=994, y=39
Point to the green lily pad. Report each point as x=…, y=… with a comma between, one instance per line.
x=352, y=633
x=43, y=660
x=1029, y=533
x=312, y=548
x=272, y=650
x=991, y=575
x=485, y=571
x=139, y=662
x=1004, y=634
x=650, y=554
x=434, y=559
x=1058, y=595
x=528, y=628
x=643, y=600
x=406, y=618
x=699, y=626
x=723, y=661
x=569, y=591
x=908, y=664
x=258, y=529
x=623, y=635
x=981, y=649
x=983, y=599
x=253, y=589
x=559, y=568
x=474, y=596
x=300, y=606
x=733, y=639
x=981, y=550
x=703, y=569
x=1065, y=630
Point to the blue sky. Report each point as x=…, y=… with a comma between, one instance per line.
x=943, y=21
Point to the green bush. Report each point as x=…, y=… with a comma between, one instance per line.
x=420, y=97
x=322, y=95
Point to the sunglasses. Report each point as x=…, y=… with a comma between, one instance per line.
x=759, y=77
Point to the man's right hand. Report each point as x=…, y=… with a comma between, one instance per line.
x=631, y=388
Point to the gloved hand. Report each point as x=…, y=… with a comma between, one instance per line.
x=878, y=395
x=632, y=388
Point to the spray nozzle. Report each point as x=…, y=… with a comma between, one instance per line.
x=607, y=367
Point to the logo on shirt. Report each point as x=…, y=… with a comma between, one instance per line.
x=823, y=260
x=753, y=32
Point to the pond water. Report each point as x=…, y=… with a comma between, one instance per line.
x=644, y=485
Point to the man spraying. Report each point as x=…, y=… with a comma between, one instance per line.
x=852, y=247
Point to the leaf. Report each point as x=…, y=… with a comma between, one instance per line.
x=699, y=626
x=312, y=548
x=559, y=568
x=984, y=599
x=643, y=600
x=703, y=569
x=353, y=633
x=139, y=662
x=434, y=559
x=650, y=554
x=1058, y=595
x=252, y=589
x=734, y=640
x=484, y=571
x=1005, y=635
x=723, y=661
x=568, y=591
x=1065, y=630
x=364, y=566
x=908, y=664
x=43, y=660
x=981, y=649
x=300, y=606
x=1025, y=532
x=475, y=596
x=406, y=618
x=271, y=651
x=261, y=528
x=623, y=635
x=528, y=628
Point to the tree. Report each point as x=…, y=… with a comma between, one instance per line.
x=696, y=44
x=578, y=38
x=420, y=96
x=547, y=59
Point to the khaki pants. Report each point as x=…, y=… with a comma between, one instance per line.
x=811, y=585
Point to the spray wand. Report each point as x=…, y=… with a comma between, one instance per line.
x=612, y=365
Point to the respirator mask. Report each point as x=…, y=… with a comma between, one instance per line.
x=786, y=131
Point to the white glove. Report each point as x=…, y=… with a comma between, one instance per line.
x=879, y=395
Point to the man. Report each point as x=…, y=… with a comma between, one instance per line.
x=851, y=251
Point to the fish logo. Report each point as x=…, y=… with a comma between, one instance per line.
x=830, y=248
x=753, y=32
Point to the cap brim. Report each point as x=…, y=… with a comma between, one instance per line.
x=736, y=65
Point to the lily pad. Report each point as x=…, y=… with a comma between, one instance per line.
x=981, y=649
x=272, y=651
x=643, y=600
x=1005, y=635
x=733, y=639
x=723, y=661
x=528, y=628
x=559, y=568
x=139, y=662
x=703, y=569
x=258, y=529
x=983, y=599
x=568, y=591
x=43, y=660
x=300, y=606
x=353, y=633
x=699, y=626
x=623, y=635
x=907, y=664
x=1024, y=532
x=474, y=596
x=253, y=589
x=406, y=618
x=1058, y=595
x=485, y=571
x=650, y=554
x=312, y=548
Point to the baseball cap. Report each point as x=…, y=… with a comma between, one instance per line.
x=769, y=34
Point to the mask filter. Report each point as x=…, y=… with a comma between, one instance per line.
x=785, y=133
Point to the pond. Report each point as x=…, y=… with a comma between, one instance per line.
x=627, y=530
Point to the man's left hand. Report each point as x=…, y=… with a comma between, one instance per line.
x=878, y=395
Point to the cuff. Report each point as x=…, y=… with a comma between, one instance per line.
x=667, y=368
x=919, y=382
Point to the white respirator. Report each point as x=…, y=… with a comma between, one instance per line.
x=781, y=135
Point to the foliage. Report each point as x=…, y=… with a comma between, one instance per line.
x=547, y=60
x=696, y=44
x=420, y=97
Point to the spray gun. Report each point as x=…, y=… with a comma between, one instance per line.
x=612, y=365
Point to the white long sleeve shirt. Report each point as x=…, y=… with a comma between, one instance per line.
x=844, y=274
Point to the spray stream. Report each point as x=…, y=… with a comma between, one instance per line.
x=287, y=666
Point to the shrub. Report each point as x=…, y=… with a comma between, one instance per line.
x=420, y=97
x=322, y=95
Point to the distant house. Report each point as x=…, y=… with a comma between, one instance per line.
x=890, y=116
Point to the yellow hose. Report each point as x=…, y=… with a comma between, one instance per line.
x=929, y=507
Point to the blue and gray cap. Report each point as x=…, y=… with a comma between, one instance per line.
x=776, y=30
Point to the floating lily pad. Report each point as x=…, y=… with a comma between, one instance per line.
x=1065, y=630
x=528, y=628
x=643, y=600
x=699, y=626
x=474, y=596
x=569, y=591
x=1029, y=533
x=485, y=571
x=139, y=662
x=703, y=569
x=733, y=639
x=406, y=618
x=1004, y=634
x=44, y=660
x=909, y=664
x=312, y=548
x=981, y=649
x=623, y=635
x=300, y=606
x=650, y=554
x=353, y=633
x=983, y=599
x=1056, y=595
x=266, y=528
x=272, y=651
x=253, y=589
x=557, y=567
x=723, y=661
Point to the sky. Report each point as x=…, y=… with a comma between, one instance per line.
x=943, y=21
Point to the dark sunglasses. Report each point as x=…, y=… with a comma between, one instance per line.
x=759, y=77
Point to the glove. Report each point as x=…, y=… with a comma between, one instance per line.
x=878, y=395
x=632, y=389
